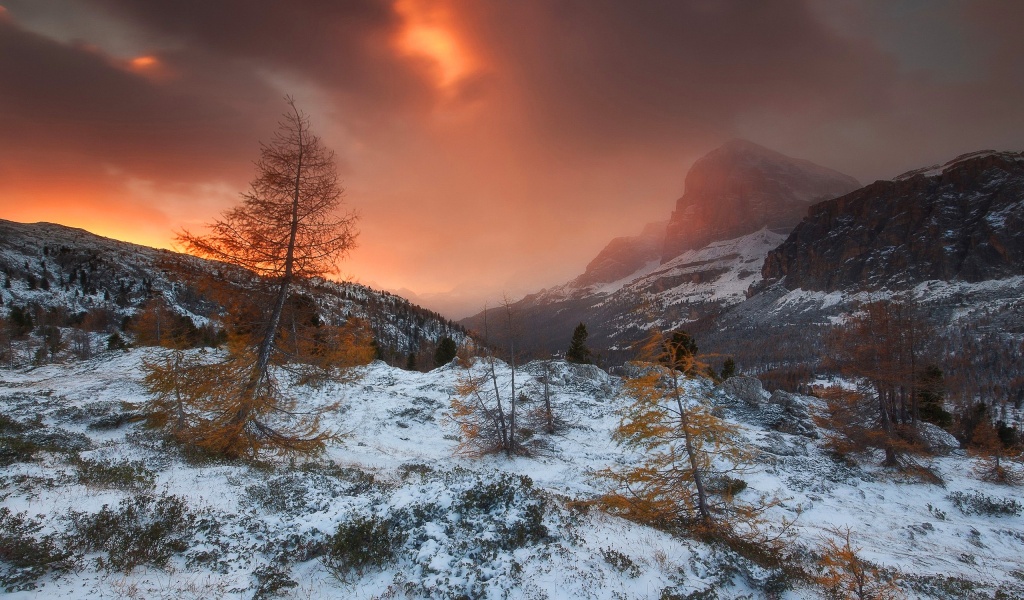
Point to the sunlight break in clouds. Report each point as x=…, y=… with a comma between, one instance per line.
x=426, y=34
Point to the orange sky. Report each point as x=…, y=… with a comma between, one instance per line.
x=489, y=147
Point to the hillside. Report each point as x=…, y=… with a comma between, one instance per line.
x=947, y=238
x=487, y=528
x=67, y=272
x=692, y=286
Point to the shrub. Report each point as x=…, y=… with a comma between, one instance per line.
x=24, y=558
x=976, y=503
x=21, y=442
x=271, y=580
x=142, y=530
x=125, y=475
x=361, y=543
x=621, y=562
x=286, y=493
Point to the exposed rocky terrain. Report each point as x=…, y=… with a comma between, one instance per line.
x=963, y=221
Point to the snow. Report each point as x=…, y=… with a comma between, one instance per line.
x=938, y=170
x=395, y=427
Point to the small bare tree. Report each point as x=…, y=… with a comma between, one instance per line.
x=485, y=406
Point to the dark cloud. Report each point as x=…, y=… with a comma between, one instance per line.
x=83, y=110
x=341, y=45
x=607, y=73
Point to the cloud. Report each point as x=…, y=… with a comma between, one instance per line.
x=497, y=144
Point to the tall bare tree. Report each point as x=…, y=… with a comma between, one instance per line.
x=882, y=348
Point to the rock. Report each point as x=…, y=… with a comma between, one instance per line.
x=795, y=420
x=961, y=221
x=936, y=439
x=747, y=389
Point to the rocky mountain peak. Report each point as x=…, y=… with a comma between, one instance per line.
x=742, y=187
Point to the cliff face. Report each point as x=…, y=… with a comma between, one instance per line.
x=960, y=221
x=741, y=188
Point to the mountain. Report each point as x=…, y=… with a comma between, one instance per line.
x=948, y=240
x=68, y=273
x=740, y=201
x=624, y=256
x=962, y=221
x=742, y=187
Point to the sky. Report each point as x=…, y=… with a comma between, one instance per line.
x=490, y=147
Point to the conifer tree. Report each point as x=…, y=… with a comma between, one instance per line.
x=578, y=351
x=728, y=368
x=998, y=462
x=689, y=454
x=286, y=230
x=446, y=352
x=844, y=574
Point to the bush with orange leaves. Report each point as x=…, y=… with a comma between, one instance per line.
x=847, y=576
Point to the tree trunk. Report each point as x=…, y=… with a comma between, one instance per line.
x=266, y=347
x=691, y=455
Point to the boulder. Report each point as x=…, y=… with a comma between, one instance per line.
x=936, y=439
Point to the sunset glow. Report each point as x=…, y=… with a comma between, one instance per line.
x=426, y=35
x=489, y=146
x=144, y=62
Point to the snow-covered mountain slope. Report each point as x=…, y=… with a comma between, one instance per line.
x=948, y=239
x=72, y=272
x=477, y=528
x=692, y=286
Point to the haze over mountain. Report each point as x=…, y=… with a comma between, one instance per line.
x=739, y=202
x=741, y=187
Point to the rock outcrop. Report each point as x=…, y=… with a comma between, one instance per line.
x=742, y=187
x=747, y=389
x=962, y=221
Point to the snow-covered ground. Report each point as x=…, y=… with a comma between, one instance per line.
x=459, y=527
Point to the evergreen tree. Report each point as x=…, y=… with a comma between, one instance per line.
x=578, y=351
x=410, y=362
x=287, y=231
x=446, y=351
x=931, y=395
x=690, y=454
x=728, y=368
